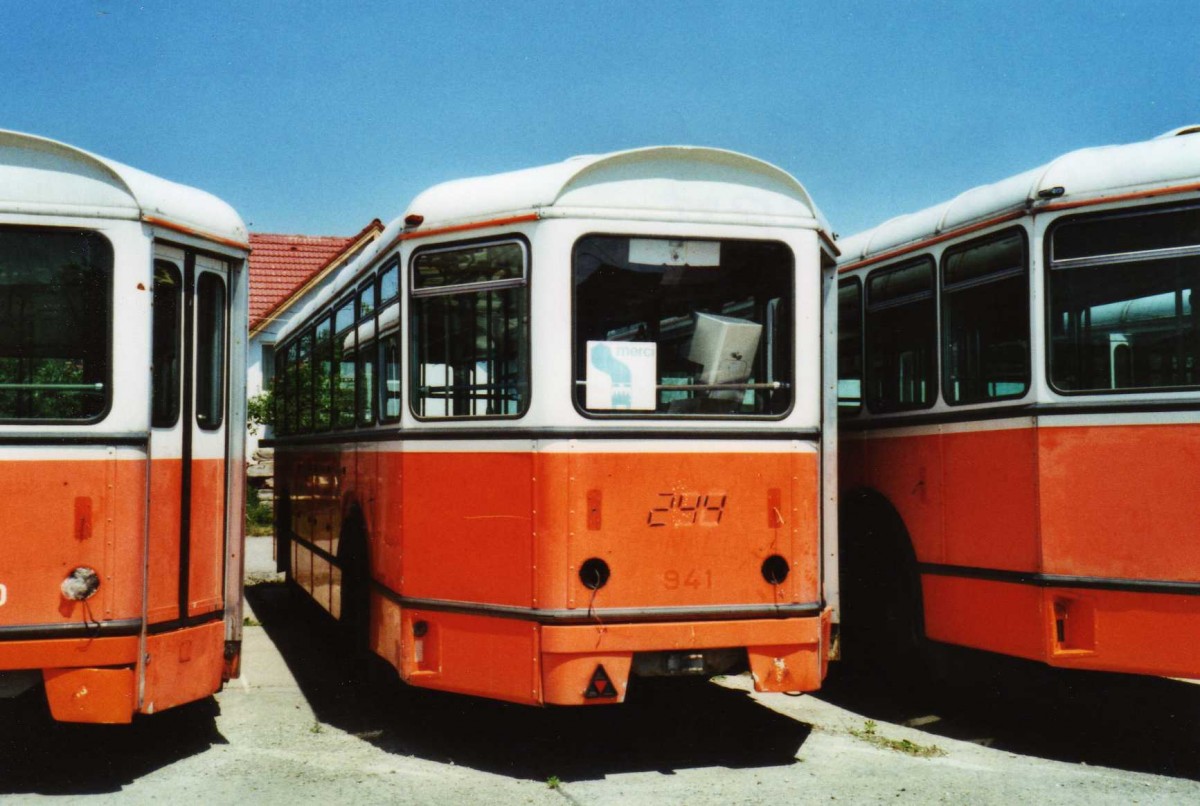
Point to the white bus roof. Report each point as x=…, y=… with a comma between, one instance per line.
x=1087, y=175
x=688, y=183
x=39, y=176
x=680, y=179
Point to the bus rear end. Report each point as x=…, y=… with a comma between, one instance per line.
x=120, y=421
x=601, y=448
x=662, y=513
x=692, y=533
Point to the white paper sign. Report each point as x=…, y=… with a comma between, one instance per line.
x=622, y=375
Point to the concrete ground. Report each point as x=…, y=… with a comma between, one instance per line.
x=297, y=727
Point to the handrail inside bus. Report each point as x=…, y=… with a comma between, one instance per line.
x=712, y=387
x=62, y=387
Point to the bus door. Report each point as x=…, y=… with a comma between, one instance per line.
x=188, y=490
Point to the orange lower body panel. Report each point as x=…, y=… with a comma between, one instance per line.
x=96, y=680
x=521, y=661
x=184, y=666
x=984, y=614
x=1104, y=630
x=1120, y=631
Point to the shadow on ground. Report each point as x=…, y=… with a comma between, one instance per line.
x=1134, y=723
x=666, y=725
x=41, y=756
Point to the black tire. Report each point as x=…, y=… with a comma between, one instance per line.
x=883, y=627
x=353, y=559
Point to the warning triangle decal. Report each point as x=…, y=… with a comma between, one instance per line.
x=601, y=685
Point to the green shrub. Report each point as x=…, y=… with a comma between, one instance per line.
x=259, y=410
x=260, y=518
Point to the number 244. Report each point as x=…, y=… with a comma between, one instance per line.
x=687, y=509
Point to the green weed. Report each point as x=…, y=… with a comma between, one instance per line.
x=868, y=733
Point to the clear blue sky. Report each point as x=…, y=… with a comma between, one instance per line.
x=315, y=117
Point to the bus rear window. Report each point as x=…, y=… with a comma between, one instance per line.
x=54, y=324
x=677, y=327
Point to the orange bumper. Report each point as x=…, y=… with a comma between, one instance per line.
x=784, y=654
x=95, y=680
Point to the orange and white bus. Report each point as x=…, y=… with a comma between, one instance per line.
x=565, y=426
x=1019, y=374
x=122, y=322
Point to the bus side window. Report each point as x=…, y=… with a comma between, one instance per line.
x=366, y=383
x=304, y=383
x=1121, y=307
x=366, y=392
x=901, y=337
x=985, y=319
x=345, y=351
x=285, y=389
x=389, y=364
x=850, y=344
x=323, y=379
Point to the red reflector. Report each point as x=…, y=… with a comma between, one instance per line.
x=601, y=685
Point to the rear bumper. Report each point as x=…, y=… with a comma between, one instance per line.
x=96, y=680
x=784, y=654
x=550, y=664
x=47, y=653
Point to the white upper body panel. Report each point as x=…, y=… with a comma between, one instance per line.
x=681, y=180
x=1090, y=174
x=664, y=183
x=44, y=177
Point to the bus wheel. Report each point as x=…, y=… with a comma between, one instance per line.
x=883, y=621
x=355, y=612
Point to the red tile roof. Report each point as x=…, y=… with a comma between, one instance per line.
x=281, y=265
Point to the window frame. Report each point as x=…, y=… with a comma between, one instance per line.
x=285, y=390
x=861, y=405
x=176, y=346
x=323, y=419
x=390, y=266
x=578, y=400
x=1101, y=261
x=935, y=352
x=337, y=420
x=221, y=338
x=943, y=322
x=366, y=285
x=307, y=332
x=109, y=290
x=396, y=333
x=414, y=294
